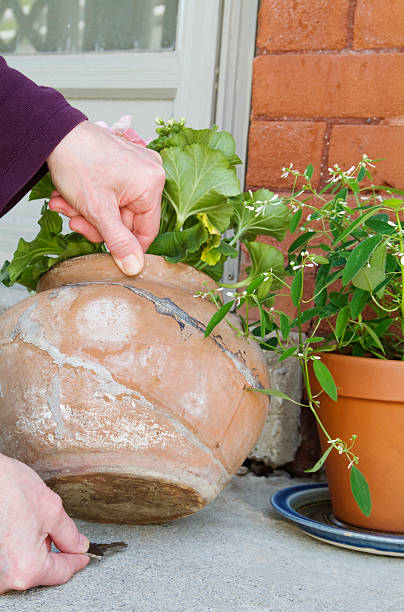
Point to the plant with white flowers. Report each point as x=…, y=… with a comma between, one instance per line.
x=351, y=231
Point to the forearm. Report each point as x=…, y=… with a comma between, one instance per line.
x=33, y=120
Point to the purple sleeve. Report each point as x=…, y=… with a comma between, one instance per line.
x=33, y=120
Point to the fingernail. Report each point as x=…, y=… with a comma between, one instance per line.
x=130, y=265
x=84, y=542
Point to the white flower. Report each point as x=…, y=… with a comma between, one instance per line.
x=351, y=463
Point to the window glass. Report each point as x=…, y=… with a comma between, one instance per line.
x=74, y=26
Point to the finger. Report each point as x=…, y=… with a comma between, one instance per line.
x=60, y=205
x=146, y=226
x=65, y=534
x=123, y=245
x=60, y=567
x=82, y=226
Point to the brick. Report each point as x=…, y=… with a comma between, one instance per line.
x=379, y=23
x=349, y=142
x=274, y=144
x=292, y=25
x=328, y=85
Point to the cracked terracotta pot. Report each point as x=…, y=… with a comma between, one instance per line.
x=110, y=391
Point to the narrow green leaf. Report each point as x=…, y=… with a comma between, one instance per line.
x=374, y=337
x=295, y=220
x=296, y=288
x=361, y=174
x=320, y=259
x=308, y=173
x=303, y=239
x=287, y=353
x=358, y=221
x=342, y=321
x=263, y=321
x=284, y=324
x=217, y=317
x=385, y=189
x=380, y=227
x=359, y=258
x=325, y=379
x=255, y=284
x=358, y=302
x=306, y=315
x=360, y=491
x=320, y=462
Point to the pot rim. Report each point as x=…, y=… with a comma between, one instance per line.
x=375, y=379
x=102, y=267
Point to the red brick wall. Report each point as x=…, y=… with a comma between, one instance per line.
x=328, y=86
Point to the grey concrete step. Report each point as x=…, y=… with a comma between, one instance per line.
x=235, y=555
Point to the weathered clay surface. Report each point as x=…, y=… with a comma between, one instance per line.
x=108, y=384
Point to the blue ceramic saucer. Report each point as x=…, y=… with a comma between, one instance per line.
x=309, y=507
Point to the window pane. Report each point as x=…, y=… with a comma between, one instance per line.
x=72, y=26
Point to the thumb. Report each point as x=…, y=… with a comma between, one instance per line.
x=60, y=567
x=123, y=245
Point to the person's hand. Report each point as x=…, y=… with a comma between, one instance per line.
x=111, y=190
x=31, y=518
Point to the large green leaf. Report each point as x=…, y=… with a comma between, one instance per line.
x=220, y=141
x=199, y=179
x=176, y=246
x=265, y=259
x=261, y=213
x=32, y=259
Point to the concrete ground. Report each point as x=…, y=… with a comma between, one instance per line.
x=235, y=555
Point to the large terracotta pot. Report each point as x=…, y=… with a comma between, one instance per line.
x=110, y=391
x=371, y=405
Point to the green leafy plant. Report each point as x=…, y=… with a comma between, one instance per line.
x=351, y=231
x=201, y=200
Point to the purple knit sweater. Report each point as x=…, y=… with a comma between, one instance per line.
x=33, y=120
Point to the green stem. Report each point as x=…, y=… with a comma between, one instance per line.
x=400, y=233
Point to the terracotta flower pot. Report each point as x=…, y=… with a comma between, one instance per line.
x=110, y=391
x=371, y=405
